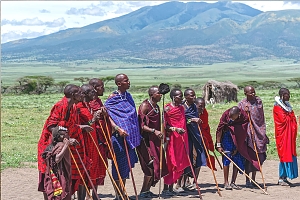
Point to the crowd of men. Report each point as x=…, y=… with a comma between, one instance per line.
x=81, y=134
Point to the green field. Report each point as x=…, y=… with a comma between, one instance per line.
x=23, y=117
x=148, y=73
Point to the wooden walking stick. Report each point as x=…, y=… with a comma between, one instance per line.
x=191, y=166
x=129, y=165
x=255, y=148
x=208, y=155
x=86, y=187
x=112, y=153
x=106, y=167
x=87, y=175
x=163, y=89
x=218, y=160
x=243, y=172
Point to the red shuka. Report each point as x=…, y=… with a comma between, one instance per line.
x=285, y=133
x=205, y=130
x=176, y=154
x=97, y=170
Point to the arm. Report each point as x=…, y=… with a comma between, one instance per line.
x=122, y=132
x=144, y=111
x=61, y=154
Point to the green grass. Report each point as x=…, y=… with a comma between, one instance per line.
x=23, y=118
x=148, y=73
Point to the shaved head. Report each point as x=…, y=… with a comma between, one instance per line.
x=119, y=78
x=70, y=89
x=95, y=81
x=234, y=111
x=283, y=91
x=187, y=91
x=199, y=100
x=152, y=90
x=86, y=88
x=248, y=88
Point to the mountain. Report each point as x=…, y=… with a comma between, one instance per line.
x=193, y=32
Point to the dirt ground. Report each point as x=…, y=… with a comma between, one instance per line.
x=21, y=184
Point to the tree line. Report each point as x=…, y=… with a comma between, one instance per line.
x=43, y=84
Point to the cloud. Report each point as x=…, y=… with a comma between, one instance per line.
x=94, y=10
x=16, y=35
x=291, y=2
x=34, y=22
x=138, y=3
x=44, y=11
x=123, y=9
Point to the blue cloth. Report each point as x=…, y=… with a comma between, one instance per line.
x=288, y=169
x=121, y=109
x=121, y=157
x=228, y=145
x=195, y=141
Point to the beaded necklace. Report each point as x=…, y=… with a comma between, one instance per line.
x=121, y=95
x=155, y=109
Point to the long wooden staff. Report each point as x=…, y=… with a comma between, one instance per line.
x=217, y=160
x=208, y=155
x=86, y=187
x=106, y=167
x=243, y=172
x=255, y=148
x=191, y=166
x=112, y=153
x=129, y=165
x=161, y=147
x=87, y=175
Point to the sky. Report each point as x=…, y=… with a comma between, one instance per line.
x=30, y=19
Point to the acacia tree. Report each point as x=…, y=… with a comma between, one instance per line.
x=35, y=84
x=107, y=79
x=82, y=80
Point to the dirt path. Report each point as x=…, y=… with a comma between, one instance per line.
x=21, y=184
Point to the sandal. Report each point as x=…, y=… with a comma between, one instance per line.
x=152, y=195
x=249, y=184
x=167, y=193
x=144, y=195
x=234, y=186
x=227, y=187
x=284, y=182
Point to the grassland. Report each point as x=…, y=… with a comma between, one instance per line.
x=149, y=74
x=23, y=118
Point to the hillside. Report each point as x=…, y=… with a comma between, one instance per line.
x=193, y=32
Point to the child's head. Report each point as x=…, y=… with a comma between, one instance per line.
x=59, y=133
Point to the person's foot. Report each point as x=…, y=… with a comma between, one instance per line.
x=249, y=184
x=227, y=187
x=234, y=186
x=144, y=195
x=167, y=193
x=178, y=190
x=152, y=195
x=284, y=182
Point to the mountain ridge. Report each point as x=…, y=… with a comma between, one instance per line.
x=221, y=29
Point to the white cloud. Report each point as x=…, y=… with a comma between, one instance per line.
x=94, y=10
x=33, y=22
x=44, y=11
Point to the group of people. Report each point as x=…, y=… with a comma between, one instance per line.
x=81, y=134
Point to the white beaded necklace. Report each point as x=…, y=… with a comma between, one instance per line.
x=121, y=95
x=155, y=109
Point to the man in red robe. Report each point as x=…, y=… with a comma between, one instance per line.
x=177, y=140
x=97, y=170
x=64, y=114
x=205, y=130
x=285, y=134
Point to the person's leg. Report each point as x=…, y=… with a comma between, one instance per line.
x=178, y=184
x=94, y=195
x=81, y=192
x=146, y=184
x=45, y=196
x=233, y=178
x=197, y=172
x=226, y=174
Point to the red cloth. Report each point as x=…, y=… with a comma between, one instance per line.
x=97, y=170
x=176, y=154
x=58, y=117
x=238, y=132
x=205, y=130
x=285, y=133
